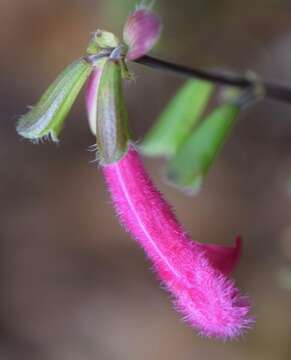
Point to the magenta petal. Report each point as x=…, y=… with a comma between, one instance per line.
x=91, y=97
x=141, y=32
x=224, y=258
x=208, y=300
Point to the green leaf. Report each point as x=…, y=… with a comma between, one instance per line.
x=194, y=159
x=46, y=118
x=178, y=120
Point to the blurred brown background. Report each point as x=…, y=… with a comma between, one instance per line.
x=73, y=285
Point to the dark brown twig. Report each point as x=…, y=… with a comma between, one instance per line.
x=270, y=90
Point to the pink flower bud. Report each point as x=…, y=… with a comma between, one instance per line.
x=141, y=32
x=91, y=97
x=192, y=272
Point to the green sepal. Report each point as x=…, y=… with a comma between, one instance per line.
x=190, y=165
x=46, y=118
x=112, y=121
x=178, y=119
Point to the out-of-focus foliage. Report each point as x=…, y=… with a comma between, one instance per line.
x=178, y=119
x=189, y=146
x=195, y=157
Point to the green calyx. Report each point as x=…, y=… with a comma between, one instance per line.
x=46, y=119
x=111, y=125
x=111, y=117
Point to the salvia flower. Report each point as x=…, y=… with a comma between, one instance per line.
x=195, y=274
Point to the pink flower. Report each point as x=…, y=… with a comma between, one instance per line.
x=141, y=32
x=195, y=274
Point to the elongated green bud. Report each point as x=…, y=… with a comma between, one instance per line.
x=178, y=119
x=194, y=159
x=46, y=118
x=111, y=128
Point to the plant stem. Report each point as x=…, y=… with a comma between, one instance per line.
x=270, y=90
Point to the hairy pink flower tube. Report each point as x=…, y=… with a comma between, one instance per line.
x=192, y=272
